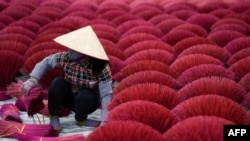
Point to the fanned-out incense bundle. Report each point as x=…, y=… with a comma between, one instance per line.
x=33, y=101
x=10, y=112
x=11, y=61
x=73, y=137
x=11, y=129
x=124, y=130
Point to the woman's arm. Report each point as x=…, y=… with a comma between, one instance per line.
x=106, y=94
x=38, y=71
x=43, y=66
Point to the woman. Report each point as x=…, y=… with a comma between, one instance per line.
x=87, y=82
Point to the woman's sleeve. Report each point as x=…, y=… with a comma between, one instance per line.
x=106, y=93
x=43, y=66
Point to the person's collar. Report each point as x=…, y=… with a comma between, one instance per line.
x=84, y=61
x=80, y=58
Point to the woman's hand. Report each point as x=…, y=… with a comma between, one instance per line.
x=28, y=84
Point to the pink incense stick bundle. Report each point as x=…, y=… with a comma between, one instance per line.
x=33, y=101
x=10, y=129
x=20, y=105
x=73, y=137
x=14, y=89
x=3, y=96
x=10, y=112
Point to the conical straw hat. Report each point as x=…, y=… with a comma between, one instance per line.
x=85, y=41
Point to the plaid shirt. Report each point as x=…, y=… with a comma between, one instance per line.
x=80, y=74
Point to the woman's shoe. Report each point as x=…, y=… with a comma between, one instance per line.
x=88, y=122
x=55, y=123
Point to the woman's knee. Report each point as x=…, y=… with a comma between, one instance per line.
x=85, y=103
x=58, y=81
x=59, y=84
x=86, y=96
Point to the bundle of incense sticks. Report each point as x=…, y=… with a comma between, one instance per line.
x=10, y=112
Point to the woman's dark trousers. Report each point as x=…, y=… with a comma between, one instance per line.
x=82, y=103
